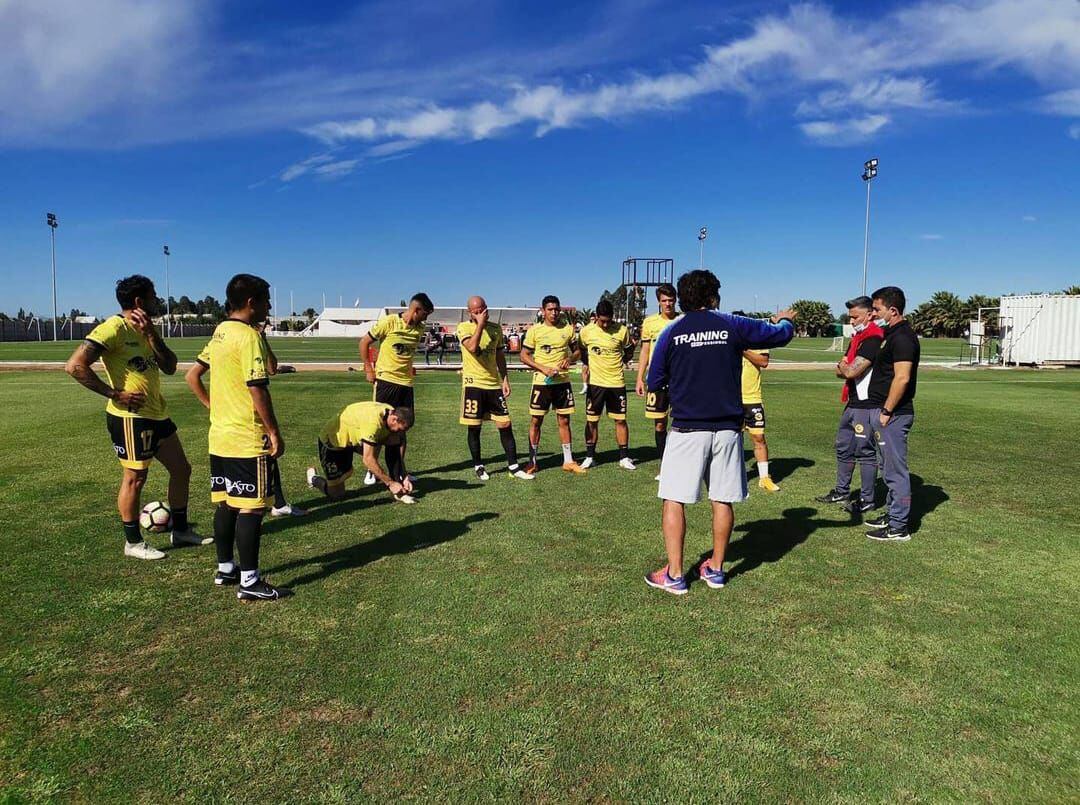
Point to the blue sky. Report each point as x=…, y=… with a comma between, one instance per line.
x=373, y=149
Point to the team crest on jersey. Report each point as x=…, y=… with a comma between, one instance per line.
x=140, y=364
x=546, y=348
x=402, y=350
x=859, y=428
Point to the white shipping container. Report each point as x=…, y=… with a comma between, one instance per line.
x=1039, y=329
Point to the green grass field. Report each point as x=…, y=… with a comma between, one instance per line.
x=496, y=641
x=314, y=350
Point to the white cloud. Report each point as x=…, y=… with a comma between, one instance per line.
x=1065, y=103
x=931, y=236
x=1028, y=219
x=298, y=169
x=843, y=132
x=335, y=170
x=1074, y=131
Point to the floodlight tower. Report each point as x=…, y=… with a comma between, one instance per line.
x=168, y=306
x=701, y=235
x=50, y=219
x=869, y=172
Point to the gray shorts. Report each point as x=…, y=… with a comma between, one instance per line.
x=715, y=458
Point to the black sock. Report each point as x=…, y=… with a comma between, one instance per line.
x=506, y=436
x=395, y=464
x=624, y=451
x=279, y=493
x=131, y=532
x=224, y=532
x=532, y=452
x=474, y=444
x=661, y=441
x=179, y=519
x=590, y=450
x=248, y=534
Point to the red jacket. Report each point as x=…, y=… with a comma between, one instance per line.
x=872, y=331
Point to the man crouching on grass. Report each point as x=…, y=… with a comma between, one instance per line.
x=699, y=360
x=364, y=427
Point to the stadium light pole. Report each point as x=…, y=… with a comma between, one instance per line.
x=168, y=306
x=701, y=235
x=50, y=219
x=869, y=172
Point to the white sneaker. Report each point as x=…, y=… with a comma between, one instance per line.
x=482, y=473
x=519, y=473
x=627, y=463
x=287, y=510
x=311, y=476
x=140, y=550
x=405, y=497
x=370, y=480
x=189, y=537
x=588, y=462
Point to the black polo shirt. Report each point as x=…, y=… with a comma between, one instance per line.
x=900, y=344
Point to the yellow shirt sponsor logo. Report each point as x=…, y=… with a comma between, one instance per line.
x=398, y=343
x=130, y=365
x=482, y=369
x=550, y=347
x=606, y=351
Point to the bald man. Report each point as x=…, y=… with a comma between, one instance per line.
x=484, y=387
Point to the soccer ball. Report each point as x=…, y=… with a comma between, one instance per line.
x=156, y=517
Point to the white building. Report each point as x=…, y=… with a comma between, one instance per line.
x=353, y=322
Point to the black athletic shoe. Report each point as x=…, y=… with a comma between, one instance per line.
x=260, y=591
x=888, y=534
x=832, y=496
x=857, y=507
x=881, y=521
x=227, y=579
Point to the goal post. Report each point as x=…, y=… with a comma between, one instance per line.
x=837, y=344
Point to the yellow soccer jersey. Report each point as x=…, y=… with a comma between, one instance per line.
x=480, y=370
x=236, y=356
x=606, y=350
x=359, y=423
x=751, y=380
x=130, y=366
x=550, y=347
x=653, y=326
x=397, y=345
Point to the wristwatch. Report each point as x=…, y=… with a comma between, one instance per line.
x=886, y=412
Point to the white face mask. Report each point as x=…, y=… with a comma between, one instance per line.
x=859, y=327
x=881, y=322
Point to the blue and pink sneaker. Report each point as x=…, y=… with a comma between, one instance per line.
x=714, y=578
x=662, y=581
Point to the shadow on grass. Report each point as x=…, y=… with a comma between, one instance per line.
x=405, y=539
x=637, y=454
x=779, y=468
x=924, y=499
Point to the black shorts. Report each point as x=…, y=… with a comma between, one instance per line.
x=559, y=396
x=600, y=397
x=753, y=418
x=136, y=440
x=394, y=394
x=657, y=404
x=480, y=404
x=337, y=462
x=242, y=483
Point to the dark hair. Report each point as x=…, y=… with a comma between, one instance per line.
x=698, y=290
x=891, y=296
x=424, y=300
x=128, y=288
x=243, y=287
x=665, y=289
x=605, y=308
x=863, y=302
x=405, y=414
x=549, y=299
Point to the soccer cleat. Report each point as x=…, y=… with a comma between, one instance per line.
x=189, y=537
x=888, y=534
x=627, y=463
x=588, y=462
x=370, y=479
x=574, y=467
x=405, y=497
x=768, y=484
x=288, y=510
x=481, y=473
x=662, y=581
x=311, y=476
x=881, y=521
x=222, y=579
x=714, y=578
x=261, y=590
x=140, y=550
x=857, y=507
x=832, y=496
x=524, y=475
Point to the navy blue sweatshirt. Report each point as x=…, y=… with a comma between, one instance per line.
x=699, y=360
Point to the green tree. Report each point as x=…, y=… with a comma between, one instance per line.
x=1072, y=290
x=309, y=313
x=976, y=301
x=813, y=318
x=638, y=303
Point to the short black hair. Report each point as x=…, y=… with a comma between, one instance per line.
x=424, y=300
x=665, y=289
x=605, y=308
x=862, y=302
x=891, y=296
x=243, y=287
x=130, y=288
x=698, y=290
x=405, y=414
x=548, y=300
